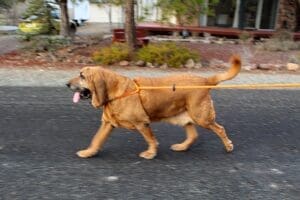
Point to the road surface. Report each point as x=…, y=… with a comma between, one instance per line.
x=41, y=129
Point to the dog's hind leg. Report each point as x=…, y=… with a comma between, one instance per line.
x=97, y=141
x=220, y=131
x=146, y=131
x=204, y=115
x=191, y=136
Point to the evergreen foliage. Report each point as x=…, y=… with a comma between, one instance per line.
x=42, y=11
x=185, y=12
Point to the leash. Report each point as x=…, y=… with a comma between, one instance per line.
x=234, y=86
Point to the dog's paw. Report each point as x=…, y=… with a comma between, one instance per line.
x=229, y=147
x=179, y=147
x=147, y=155
x=86, y=153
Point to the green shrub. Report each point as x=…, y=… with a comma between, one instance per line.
x=283, y=35
x=45, y=43
x=2, y=19
x=277, y=45
x=295, y=58
x=111, y=54
x=167, y=52
x=281, y=41
x=244, y=36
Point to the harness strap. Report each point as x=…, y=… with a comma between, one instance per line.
x=127, y=93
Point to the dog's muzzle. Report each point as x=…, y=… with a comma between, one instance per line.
x=79, y=93
x=85, y=93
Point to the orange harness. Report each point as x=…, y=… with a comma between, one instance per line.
x=128, y=93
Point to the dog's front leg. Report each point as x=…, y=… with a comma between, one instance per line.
x=97, y=141
x=146, y=131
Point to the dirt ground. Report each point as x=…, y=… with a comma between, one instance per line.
x=8, y=43
x=250, y=53
x=79, y=54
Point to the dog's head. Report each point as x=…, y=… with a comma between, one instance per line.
x=89, y=84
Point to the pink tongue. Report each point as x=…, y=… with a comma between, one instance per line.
x=76, y=97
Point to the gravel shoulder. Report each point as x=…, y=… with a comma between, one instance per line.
x=57, y=78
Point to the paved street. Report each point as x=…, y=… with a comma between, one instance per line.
x=41, y=129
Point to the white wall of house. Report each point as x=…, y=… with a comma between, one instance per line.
x=79, y=10
x=110, y=13
x=105, y=14
x=147, y=10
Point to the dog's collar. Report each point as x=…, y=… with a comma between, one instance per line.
x=127, y=93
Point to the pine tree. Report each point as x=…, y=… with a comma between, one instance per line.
x=185, y=11
x=64, y=24
x=41, y=10
x=130, y=26
x=6, y=4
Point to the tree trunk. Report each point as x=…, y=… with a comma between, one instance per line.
x=64, y=24
x=130, y=33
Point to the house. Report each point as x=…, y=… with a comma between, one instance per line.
x=255, y=14
x=242, y=14
x=107, y=13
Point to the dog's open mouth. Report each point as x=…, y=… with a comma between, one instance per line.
x=83, y=94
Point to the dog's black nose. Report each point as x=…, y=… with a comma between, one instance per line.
x=68, y=84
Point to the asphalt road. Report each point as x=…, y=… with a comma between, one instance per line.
x=41, y=129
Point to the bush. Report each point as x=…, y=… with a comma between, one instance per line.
x=281, y=41
x=244, y=36
x=166, y=53
x=45, y=43
x=283, y=35
x=111, y=54
x=276, y=45
x=295, y=58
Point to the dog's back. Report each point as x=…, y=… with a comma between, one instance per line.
x=163, y=103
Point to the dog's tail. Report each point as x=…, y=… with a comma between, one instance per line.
x=231, y=73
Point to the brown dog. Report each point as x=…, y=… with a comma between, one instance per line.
x=126, y=106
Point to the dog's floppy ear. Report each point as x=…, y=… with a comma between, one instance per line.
x=99, y=93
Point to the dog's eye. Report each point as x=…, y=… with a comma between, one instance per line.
x=81, y=76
